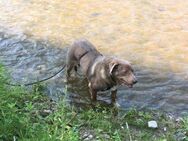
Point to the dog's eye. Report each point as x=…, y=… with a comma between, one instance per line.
x=124, y=71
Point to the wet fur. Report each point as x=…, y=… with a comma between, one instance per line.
x=102, y=72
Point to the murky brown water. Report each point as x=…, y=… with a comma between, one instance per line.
x=153, y=35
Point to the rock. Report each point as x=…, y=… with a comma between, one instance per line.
x=88, y=137
x=152, y=124
x=179, y=119
x=47, y=111
x=117, y=104
x=106, y=137
x=95, y=14
x=165, y=129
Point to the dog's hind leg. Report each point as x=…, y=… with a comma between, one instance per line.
x=69, y=68
x=75, y=68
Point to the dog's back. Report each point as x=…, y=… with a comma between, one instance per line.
x=82, y=47
x=82, y=53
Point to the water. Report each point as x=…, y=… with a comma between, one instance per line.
x=152, y=35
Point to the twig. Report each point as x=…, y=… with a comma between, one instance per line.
x=14, y=138
x=130, y=138
x=75, y=114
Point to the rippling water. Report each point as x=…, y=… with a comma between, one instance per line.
x=153, y=35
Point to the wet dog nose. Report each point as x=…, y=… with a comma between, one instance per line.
x=135, y=81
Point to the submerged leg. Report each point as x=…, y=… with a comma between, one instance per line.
x=93, y=93
x=113, y=96
x=69, y=68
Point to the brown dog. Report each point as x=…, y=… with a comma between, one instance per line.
x=102, y=72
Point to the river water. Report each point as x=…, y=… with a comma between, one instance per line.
x=152, y=35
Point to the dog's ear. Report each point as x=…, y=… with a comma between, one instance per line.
x=113, y=66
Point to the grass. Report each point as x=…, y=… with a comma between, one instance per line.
x=32, y=116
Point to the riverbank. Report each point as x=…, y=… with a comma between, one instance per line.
x=34, y=116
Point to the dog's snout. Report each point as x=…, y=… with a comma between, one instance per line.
x=135, y=81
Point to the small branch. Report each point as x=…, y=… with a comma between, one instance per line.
x=75, y=114
x=130, y=138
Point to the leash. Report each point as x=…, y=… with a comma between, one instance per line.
x=32, y=83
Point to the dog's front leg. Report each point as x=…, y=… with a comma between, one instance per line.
x=113, y=96
x=93, y=93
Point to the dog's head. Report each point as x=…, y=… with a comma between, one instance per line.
x=122, y=72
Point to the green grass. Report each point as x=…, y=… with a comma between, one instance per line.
x=32, y=116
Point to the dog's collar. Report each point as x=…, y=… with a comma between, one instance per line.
x=83, y=54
